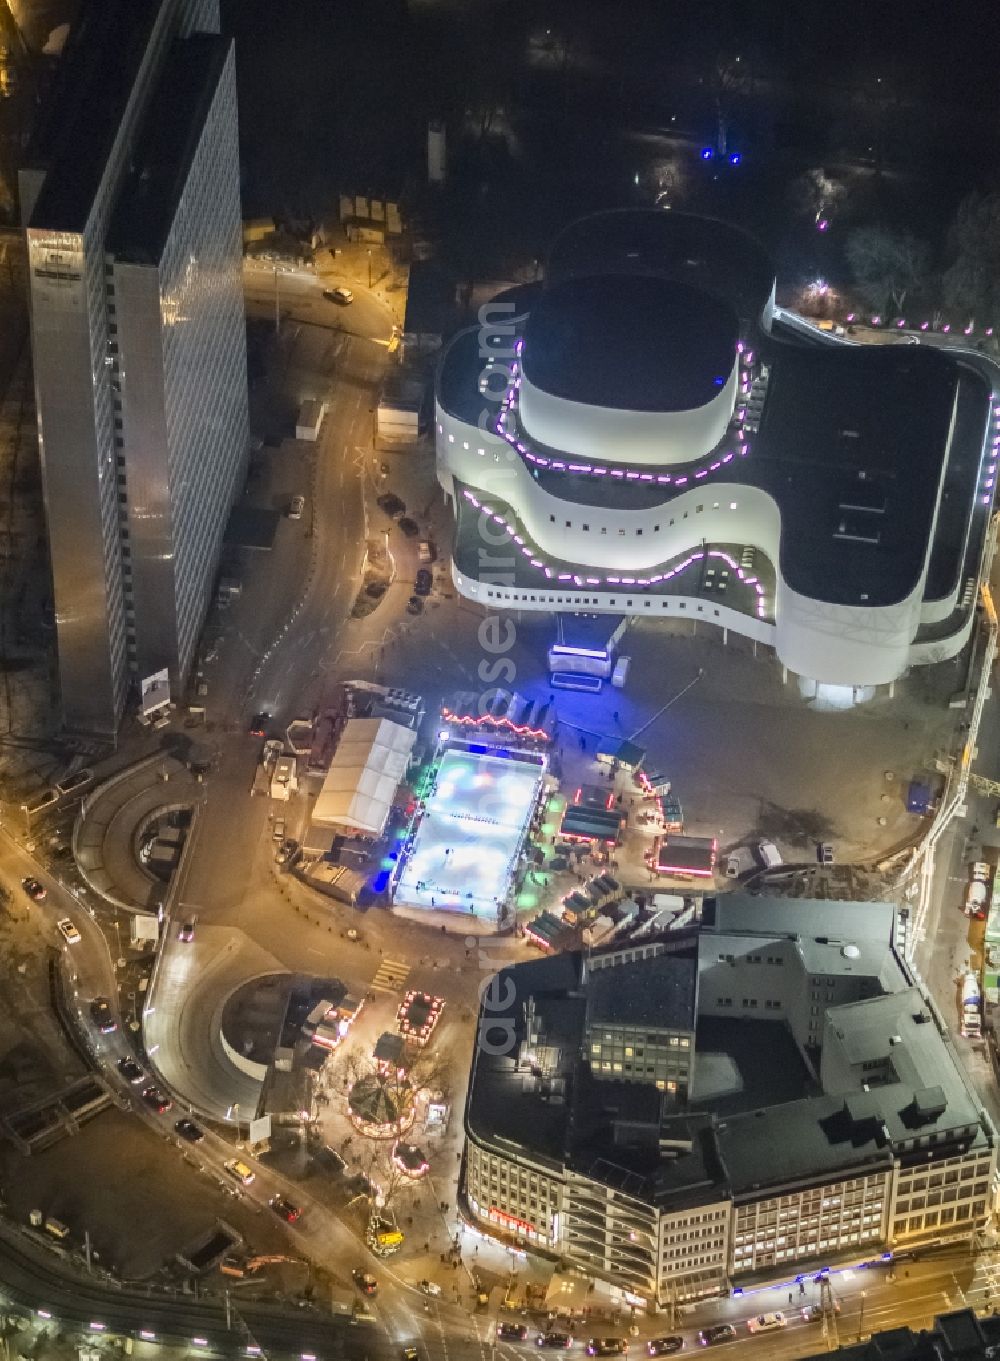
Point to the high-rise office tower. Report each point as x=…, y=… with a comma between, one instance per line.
x=131, y=205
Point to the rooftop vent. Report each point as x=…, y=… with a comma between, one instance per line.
x=851, y=952
x=895, y=1039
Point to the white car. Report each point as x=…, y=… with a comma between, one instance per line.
x=766, y=1323
x=296, y=508
x=68, y=931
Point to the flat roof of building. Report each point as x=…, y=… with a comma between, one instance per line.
x=759, y=914
x=853, y=443
x=630, y=343
x=97, y=73
x=656, y=992
x=172, y=128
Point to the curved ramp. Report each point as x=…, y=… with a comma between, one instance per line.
x=182, y=1020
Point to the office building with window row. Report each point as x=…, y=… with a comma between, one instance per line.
x=131, y=206
x=817, y=1113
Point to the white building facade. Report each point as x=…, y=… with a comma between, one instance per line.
x=590, y=487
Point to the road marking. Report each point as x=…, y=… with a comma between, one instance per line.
x=391, y=975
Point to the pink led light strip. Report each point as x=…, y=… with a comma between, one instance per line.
x=575, y=579
x=508, y=411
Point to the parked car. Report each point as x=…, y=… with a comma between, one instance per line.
x=423, y=582
x=414, y=605
x=607, y=1346
x=159, y=1101
x=512, y=1332
x=34, y=890
x=188, y=1130
x=278, y=830
x=664, y=1346
x=717, y=1334
x=766, y=1323
x=131, y=1071
x=284, y=1209
x=426, y=551
x=296, y=506
x=68, y=931
x=430, y=1287
x=240, y=1172
x=343, y=296
x=102, y=1015
x=365, y=1281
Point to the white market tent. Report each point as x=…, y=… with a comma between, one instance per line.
x=367, y=767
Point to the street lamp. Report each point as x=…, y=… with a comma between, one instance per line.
x=369, y=266
x=861, y=1315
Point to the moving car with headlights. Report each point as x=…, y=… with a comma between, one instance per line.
x=68, y=931
x=159, y=1101
x=664, y=1346
x=512, y=1332
x=766, y=1323
x=131, y=1071
x=815, y=1313
x=34, y=890
x=553, y=1340
x=717, y=1334
x=284, y=1209
x=607, y=1346
x=102, y=1015
x=365, y=1281
x=240, y=1172
x=343, y=296
x=188, y=1130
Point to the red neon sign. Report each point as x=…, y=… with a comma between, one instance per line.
x=511, y=1221
x=474, y=721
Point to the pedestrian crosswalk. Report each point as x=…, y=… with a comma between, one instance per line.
x=391, y=975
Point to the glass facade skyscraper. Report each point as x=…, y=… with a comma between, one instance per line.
x=133, y=223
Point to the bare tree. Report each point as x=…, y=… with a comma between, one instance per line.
x=971, y=282
x=886, y=265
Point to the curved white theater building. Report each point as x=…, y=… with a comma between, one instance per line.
x=643, y=435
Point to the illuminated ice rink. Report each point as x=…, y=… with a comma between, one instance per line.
x=472, y=829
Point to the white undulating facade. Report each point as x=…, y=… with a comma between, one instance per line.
x=824, y=553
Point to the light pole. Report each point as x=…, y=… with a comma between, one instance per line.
x=369, y=267
x=861, y=1315
x=277, y=309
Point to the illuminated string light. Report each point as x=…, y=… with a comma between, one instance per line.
x=507, y=428
x=654, y=580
